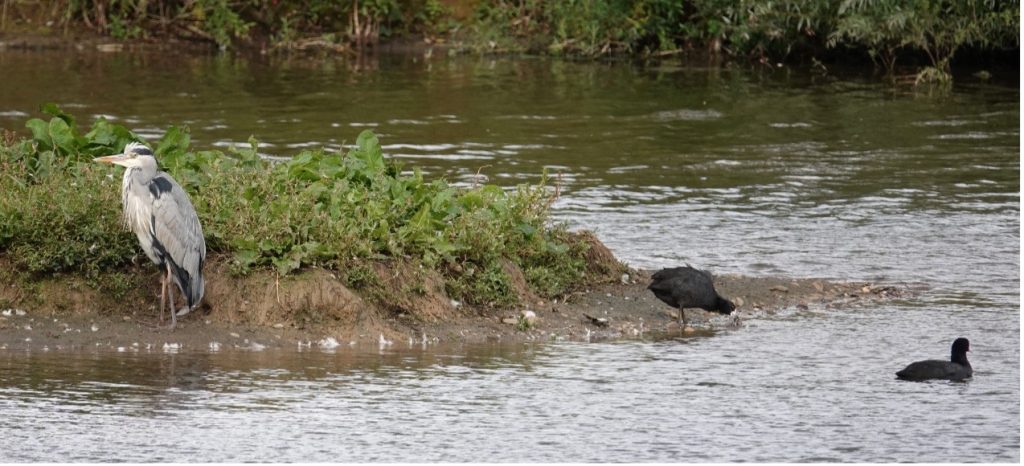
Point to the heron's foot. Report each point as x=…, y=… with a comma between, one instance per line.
x=183, y=311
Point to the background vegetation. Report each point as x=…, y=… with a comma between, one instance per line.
x=60, y=213
x=929, y=32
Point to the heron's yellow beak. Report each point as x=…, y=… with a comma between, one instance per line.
x=114, y=159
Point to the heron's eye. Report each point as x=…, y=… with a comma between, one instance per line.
x=132, y=155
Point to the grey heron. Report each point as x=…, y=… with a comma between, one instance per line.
x=684, y=287
x=159, y=212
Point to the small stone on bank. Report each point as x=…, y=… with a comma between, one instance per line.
x=529, y=316
x=328, y=343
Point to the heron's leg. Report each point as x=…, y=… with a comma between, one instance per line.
x=170, y=295
x=163, y=296
x=682, y=319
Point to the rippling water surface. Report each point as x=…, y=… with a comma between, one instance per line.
x=774, y=173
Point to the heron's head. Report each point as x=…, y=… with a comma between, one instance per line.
x=135, y=154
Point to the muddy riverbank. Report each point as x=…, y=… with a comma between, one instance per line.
x=315, y=310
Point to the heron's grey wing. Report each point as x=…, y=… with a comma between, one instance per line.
x=177, y=231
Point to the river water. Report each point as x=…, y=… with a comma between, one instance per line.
x=760, y=172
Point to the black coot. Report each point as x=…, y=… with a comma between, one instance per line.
x=683, y=287
x=957, y=368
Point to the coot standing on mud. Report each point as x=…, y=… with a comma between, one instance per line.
x=957, y=368
x=683, y=287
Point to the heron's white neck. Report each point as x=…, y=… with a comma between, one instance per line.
x=134, y=191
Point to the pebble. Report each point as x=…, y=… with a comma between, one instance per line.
x=95, y=328
x=235, y=335
x=328, y=343
x=278, y=325
x=529, y=316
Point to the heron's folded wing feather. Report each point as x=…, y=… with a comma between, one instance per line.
x=175, y=225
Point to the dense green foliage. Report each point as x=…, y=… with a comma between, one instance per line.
x=228, y=21
x=756, y=28
x=884, y=30
x=936, y=28
x=59, y=212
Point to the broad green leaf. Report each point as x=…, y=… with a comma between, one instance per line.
x=61, y=135
x=175, y=141
x=52, y=109
x=40, y=133
x=246, y=258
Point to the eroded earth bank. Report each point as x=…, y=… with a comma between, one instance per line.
x=315, y=309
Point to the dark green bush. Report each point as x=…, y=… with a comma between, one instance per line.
x=59, y=212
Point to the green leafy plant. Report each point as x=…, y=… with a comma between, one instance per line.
x=938, y=28
x=320, y=208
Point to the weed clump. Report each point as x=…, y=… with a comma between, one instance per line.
x=59, y=213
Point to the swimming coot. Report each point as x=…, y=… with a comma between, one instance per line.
x=957, y=368
x=683, y=287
